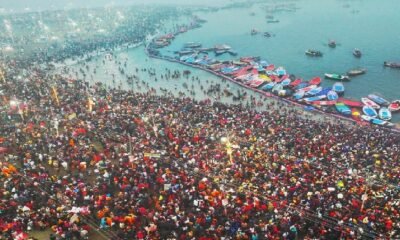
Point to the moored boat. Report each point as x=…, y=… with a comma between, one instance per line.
x=301, y=85
x=308, y=88
x=343, y=109
x=368, y=102
x=286, y=82
x=277, y=88
x=337, y=77
x=325, y=91
x=357, y=53
x=285, y=93
x=298, y=95
x=369, y=111
x=385, y=114
x=355, y=114
x=268, y=86
x=351, y=103
x=394, y=106
x=314, y=53
x=295, y=83
x=332, y=95
x=315, y=98
x=332, y=43
x=314, y=91
x=391, y=64
x=192, y=45
x=356, y=72
x=315, y=81
x=378, y=100
x=324, y=103
x=338, y=88
x=376, y=121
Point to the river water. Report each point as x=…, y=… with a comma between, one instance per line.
x=368, y=25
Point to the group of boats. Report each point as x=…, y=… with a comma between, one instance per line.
x=356, y=53
x=260, y=75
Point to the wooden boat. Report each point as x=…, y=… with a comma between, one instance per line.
x=385, y=114
x=325, y=91
x=332, y=43
x=368, y=102
x=314, y=53
x=315, y=98
x=378, y=100
x=338, y=88
x=278, y=87
x=298, y=95
x=286, y=82
x=343, y=109
x=376, y=121
x=295, y=83
x=332, y=95
x=324, y=103
x=308, y=88
x=394, y=106
x=315, y=81
x=355, y=114
x=285, y=93
x=337, y=77
x=351, y=103
x=267, y=35
x=268, y=86
x=356, y=72
x=301, y=85
x=314, y=91
x=192, y=45
x=391, y=64
x=369, y=111
x=357, y=53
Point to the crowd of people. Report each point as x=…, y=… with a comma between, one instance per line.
x=84, y=161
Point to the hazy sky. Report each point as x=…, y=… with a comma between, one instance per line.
x=35, y=5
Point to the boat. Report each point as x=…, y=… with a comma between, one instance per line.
x=254, y=32
x=357, y=53
x=298, y=95
x=337, y=77
x=332, y=95
x=314, y=91
x=220, y=52
x=370, y=103
x=385, y=114
x=267, y=34
x=315, y=81
x=233, y=53
x=192, y=45
x=286, y=82
x=376, y=121
x=343, y=109
x=315, y=98
x=272, y=21
x=338, y=88
x=356, y=72
x=355, y=114
x=324, y=103
x=301, y=85
x=332, y=43
x=268, y=86
x=308, y=88
x=351, y=103
x=314, y=53
x=391, y=64
x=369, y=111
x=394, y=106
x=277, y=88
x=378, y=100
x=325, y=91
x=285, y=93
